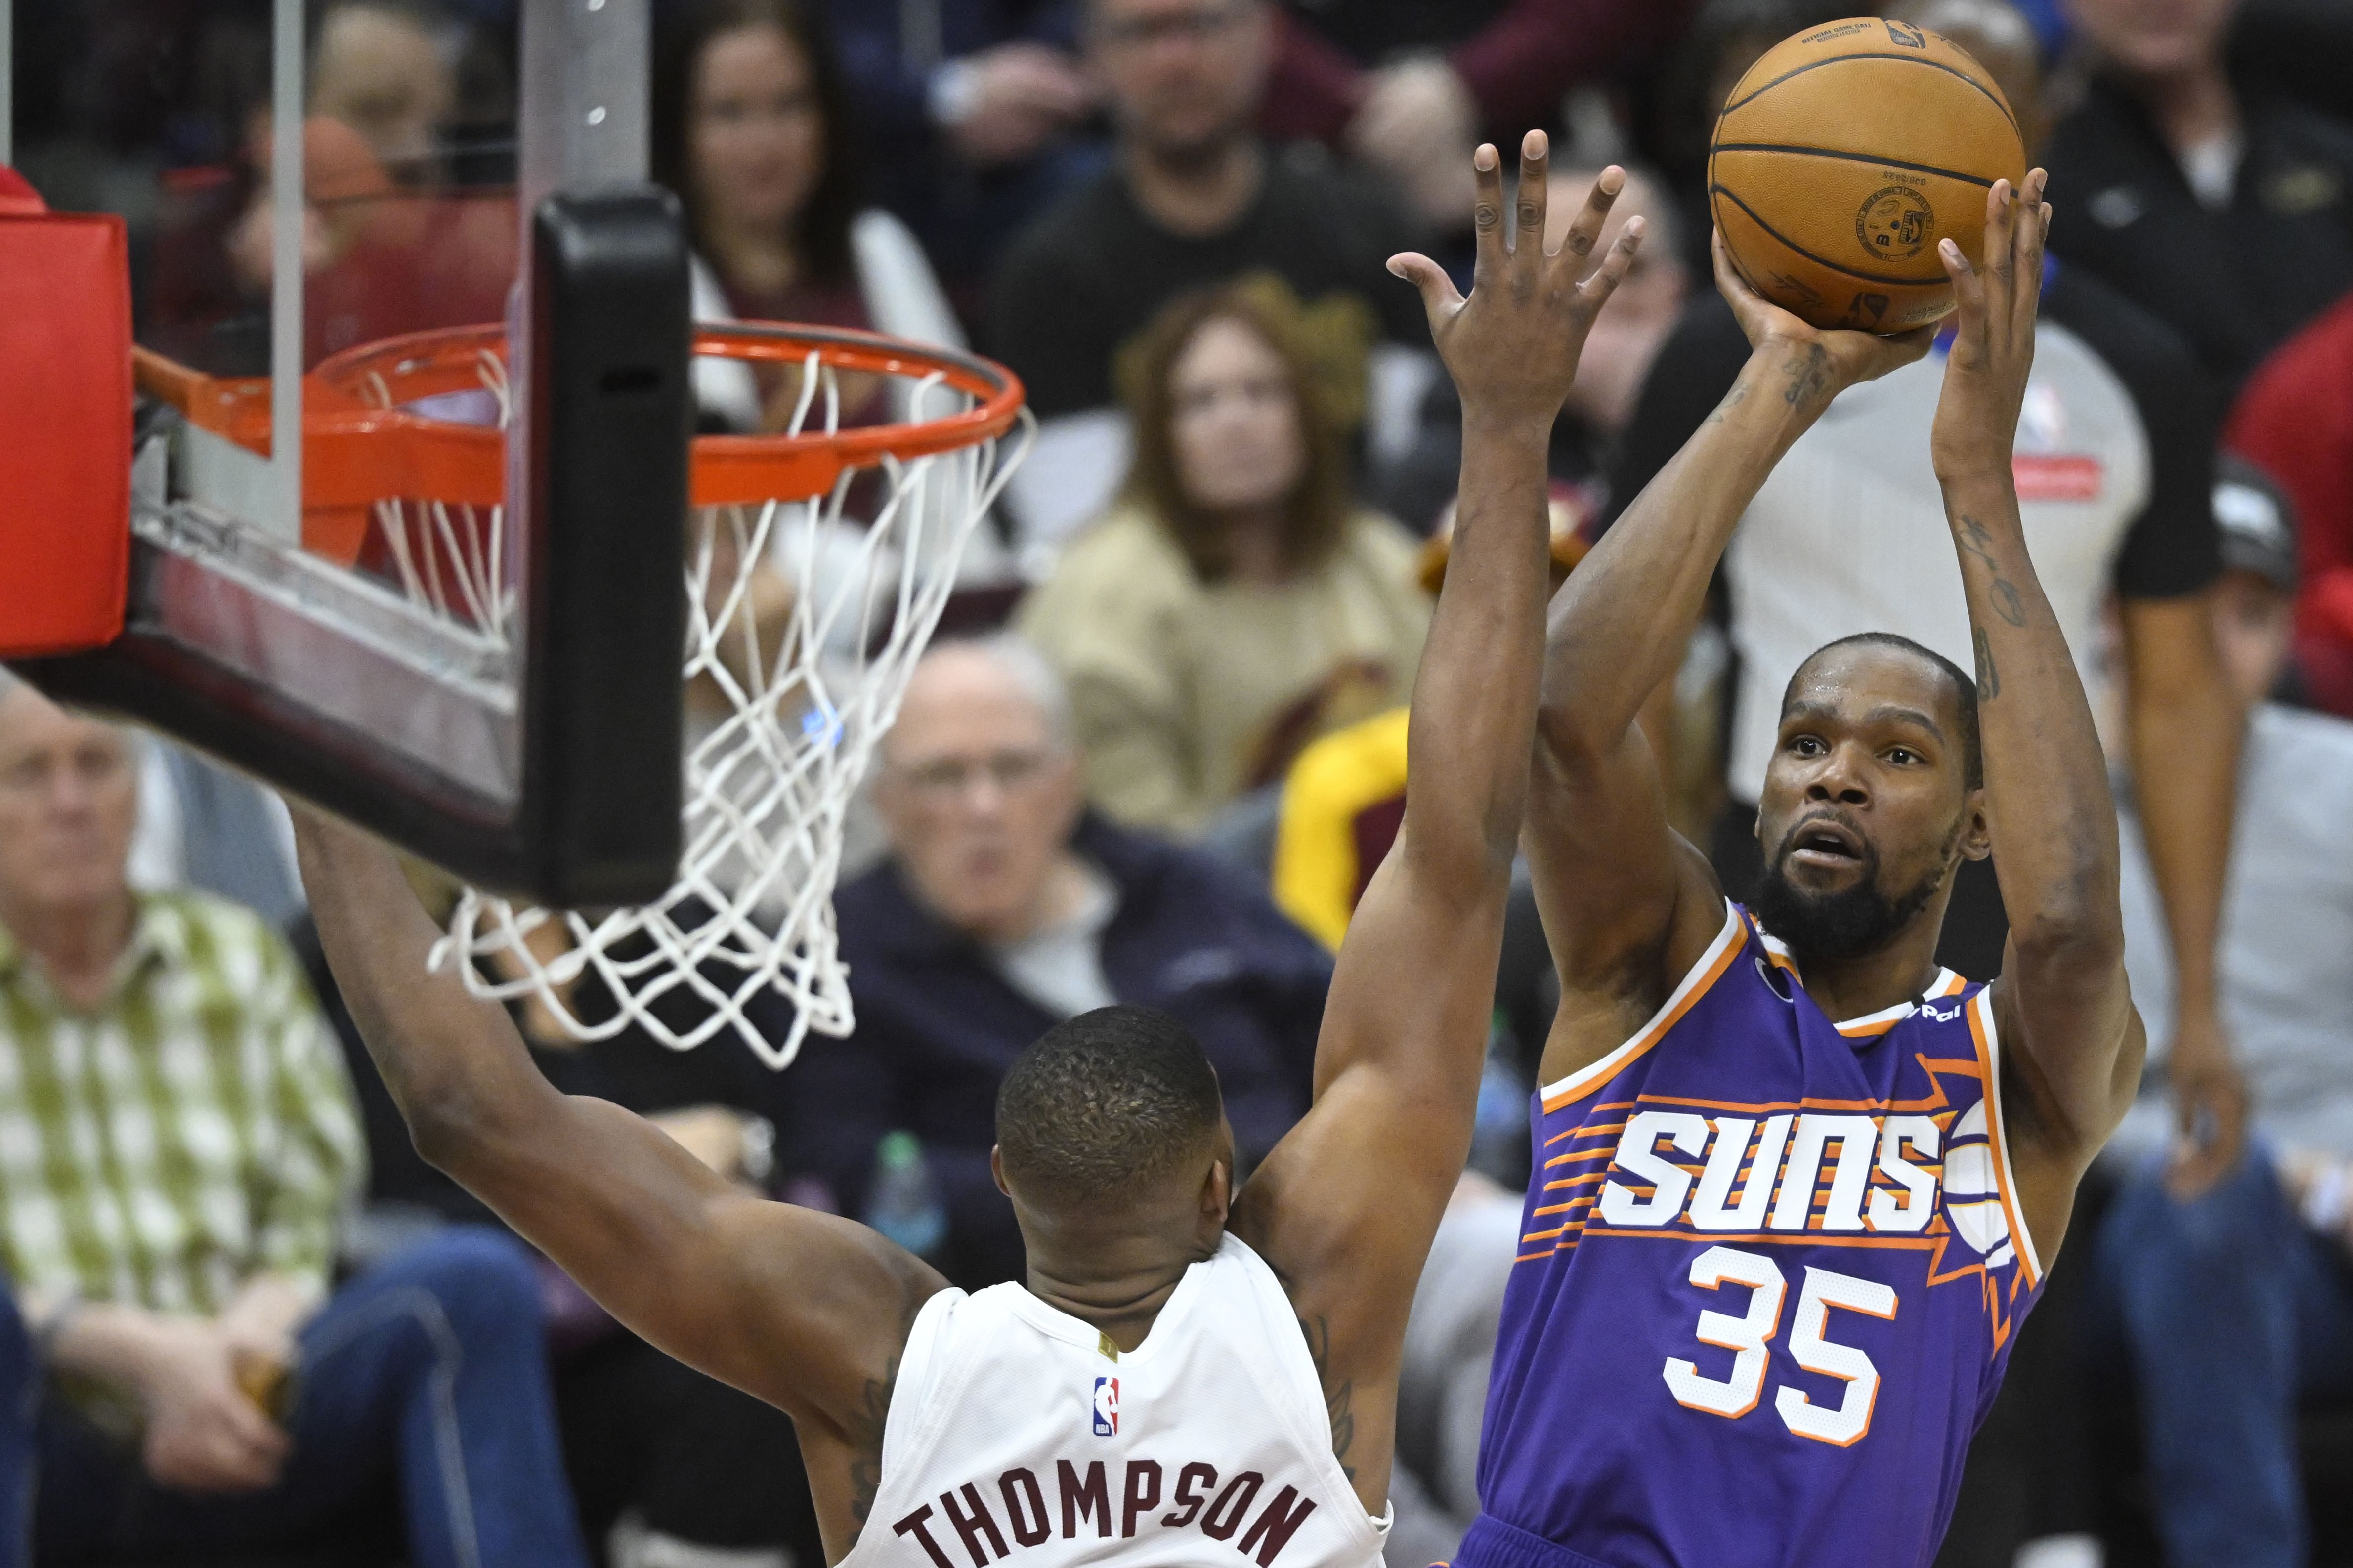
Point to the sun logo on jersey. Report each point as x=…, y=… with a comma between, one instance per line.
x=1972, y=1194
x=1107, y=1407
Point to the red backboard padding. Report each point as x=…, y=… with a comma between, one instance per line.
x=65, y=426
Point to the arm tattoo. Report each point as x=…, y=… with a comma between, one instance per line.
x=1988, y=677
x=1732, y=400
x=1973, y=538
x=1338, y=1401
x=865, y=1432
x=1810, y=377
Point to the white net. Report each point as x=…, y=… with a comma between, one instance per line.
x=805, y=620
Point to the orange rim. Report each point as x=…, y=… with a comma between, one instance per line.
x=356, y=450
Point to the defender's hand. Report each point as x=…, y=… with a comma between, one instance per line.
x=1993, y=343
x=1512, y=346
x=1820, y=361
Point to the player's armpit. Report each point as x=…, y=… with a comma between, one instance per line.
x=796, y=1307
x=1345, y=1207
x=1344, y=1212
x=1627, y=904
x=2063, y=1098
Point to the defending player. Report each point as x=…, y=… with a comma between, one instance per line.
x=1191, y=1375
x=1796, y=1185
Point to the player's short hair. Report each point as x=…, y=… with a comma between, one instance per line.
x=1104, y=1104
x=1965, y=693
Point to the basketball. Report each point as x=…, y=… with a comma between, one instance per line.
x=1840, y=160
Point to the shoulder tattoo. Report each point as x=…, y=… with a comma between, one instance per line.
x=1338, y=1398
x=865, y=1432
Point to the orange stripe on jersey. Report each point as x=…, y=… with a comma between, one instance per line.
x=1779, y=1238
x=1703, y=974
x=1579, y=1131
x=1981, y=1030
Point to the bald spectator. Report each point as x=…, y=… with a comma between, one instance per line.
x=1006, y=907
x=177, y=1142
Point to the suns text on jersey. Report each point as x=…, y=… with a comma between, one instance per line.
x=993, y=1519
x=1703, y=1168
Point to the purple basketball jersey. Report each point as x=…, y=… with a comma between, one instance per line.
x=1768, y=1278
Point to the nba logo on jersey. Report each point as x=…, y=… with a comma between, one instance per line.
x=1106, y=1407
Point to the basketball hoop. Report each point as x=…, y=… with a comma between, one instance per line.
x=820, y=560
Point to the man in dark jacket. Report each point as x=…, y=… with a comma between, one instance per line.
x=1003, y=910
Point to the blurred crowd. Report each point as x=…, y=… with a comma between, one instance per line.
x=1165, y=749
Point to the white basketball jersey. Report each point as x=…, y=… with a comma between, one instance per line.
x=1018, y=1432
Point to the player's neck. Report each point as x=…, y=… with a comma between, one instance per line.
x=1901, y=972
x=1117, y=1286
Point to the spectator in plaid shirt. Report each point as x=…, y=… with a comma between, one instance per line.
x=176, y=1140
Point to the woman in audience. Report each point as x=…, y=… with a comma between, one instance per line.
x=1234, y=605
x=751, y=130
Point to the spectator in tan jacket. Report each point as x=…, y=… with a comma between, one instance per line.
x=1234, y=605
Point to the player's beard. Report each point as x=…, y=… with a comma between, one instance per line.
x=1831, y=928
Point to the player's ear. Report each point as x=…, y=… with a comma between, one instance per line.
x=996, y=1169
x=1218, y=1190
x=1976, y=833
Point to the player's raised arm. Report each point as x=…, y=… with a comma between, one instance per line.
x=2074, y=1040
x=804, y=1310
x=1345, y=1206
x=1627, y=905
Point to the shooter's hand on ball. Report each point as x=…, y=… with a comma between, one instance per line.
x=1512, y=346
x=1822, y=361
x=1993, y=341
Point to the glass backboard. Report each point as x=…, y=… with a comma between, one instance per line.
x=305, y=183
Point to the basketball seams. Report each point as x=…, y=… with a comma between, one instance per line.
x=1983, y=185
x=1993, y=97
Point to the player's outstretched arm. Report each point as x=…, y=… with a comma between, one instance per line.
x=2063, y=1003
x=1627, y=905
x=804, y=1310
x=1346, y=1207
